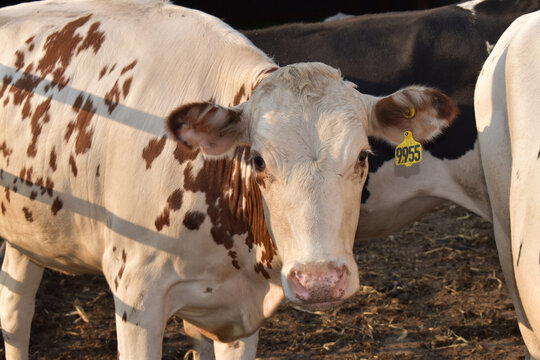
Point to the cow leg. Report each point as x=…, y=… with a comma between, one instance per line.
x=140, y=322
x=241, y=349
x=19, y=282
x=140, y=301
x=203, y=348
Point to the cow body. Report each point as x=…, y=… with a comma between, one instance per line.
x=131, y=156
x=443, y=47
x=86, y=161
x=506, y=106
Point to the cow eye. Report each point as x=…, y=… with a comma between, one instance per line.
x=259, y=163
x=363, y=156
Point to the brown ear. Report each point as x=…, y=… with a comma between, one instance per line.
x=210, y=127
x=424, y=111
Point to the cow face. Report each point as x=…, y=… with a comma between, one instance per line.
x=308, y=133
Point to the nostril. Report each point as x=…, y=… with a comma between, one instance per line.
x=297, y=286
x=341, y=285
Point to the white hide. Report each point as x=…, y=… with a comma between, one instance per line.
x=506, y=106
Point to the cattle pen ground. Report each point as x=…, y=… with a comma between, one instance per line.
x=432, y=290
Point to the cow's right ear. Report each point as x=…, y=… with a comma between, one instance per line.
x=212, y=128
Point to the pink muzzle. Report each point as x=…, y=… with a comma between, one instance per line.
x=318, y=285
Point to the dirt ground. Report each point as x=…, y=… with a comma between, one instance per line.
x=431, y=291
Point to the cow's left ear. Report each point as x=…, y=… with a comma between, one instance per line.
x=212, y=128
x=424, y=111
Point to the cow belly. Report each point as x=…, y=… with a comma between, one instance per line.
x=65, y=242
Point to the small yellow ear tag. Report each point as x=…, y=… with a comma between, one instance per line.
x=410, y=114
x=409, y=151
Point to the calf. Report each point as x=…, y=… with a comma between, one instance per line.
x=92, y=183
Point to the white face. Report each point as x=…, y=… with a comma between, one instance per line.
x=308, y=132
x=310, y=159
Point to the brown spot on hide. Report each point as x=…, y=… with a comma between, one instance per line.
x=78, y=103
x=102, y=72
x=162, y=220
x=239, y=95
x=126, y=86
x=49, y=186
x=52, y=160
x=26, y=175
x=73, y=165
x=29, y=40
x=56, y=205
x=259, y=269
x=112, y=68
x=128, y=67
x=27, y=214
x=6, y=152
x=153, y=150
x=3, y=209
x=41, y=113
x=94, y=39
x=227, y=215
x=83, y=141
x=174, y=201
x=22, y=91
x=6, y=192
x=97, y=171
x=182, y=153
x=124, y=318
x=59, y=49
x=33, y=195
x=193, y=220
x=114, y=248
x=6, y=81
x=19, y=62
x=112, y=98
x=263, y=74
x=118, y=277
x=208, y=290
x=46, y=187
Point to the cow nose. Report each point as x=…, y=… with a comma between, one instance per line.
x=318, y=285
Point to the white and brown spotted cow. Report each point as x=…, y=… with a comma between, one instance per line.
x=92, y=183
x=506, y=100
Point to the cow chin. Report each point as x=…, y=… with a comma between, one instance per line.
x=320, y=285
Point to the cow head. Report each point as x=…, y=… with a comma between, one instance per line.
x=308, y=133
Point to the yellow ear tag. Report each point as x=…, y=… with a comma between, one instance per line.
x=410, y=114
x=409, y=151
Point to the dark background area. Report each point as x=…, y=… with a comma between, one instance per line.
x=246, y=14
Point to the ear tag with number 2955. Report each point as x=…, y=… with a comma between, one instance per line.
x=409, y=151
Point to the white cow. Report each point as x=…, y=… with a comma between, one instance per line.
x=507, y=99
x=91, y=183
